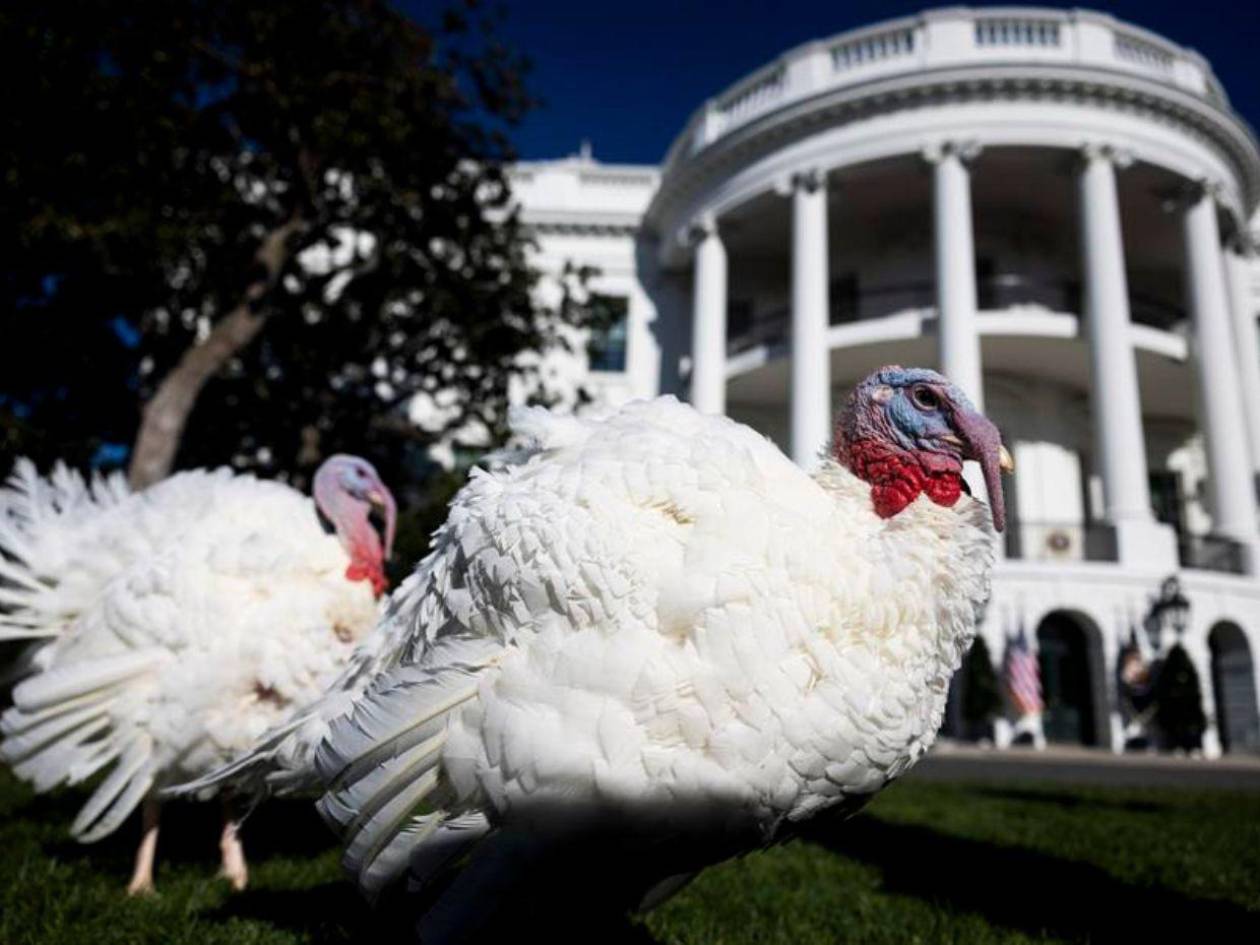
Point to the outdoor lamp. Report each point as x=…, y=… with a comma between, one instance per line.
x=1171, y=610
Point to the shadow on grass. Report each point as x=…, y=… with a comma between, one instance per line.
x=1027, y=891
x=1068, y=800
x=334, y=913
x=323, y=914
x=189, y=833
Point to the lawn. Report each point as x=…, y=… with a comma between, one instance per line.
x=924, y=863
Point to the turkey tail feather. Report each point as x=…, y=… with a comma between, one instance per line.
x=41, y=520
x=118, y=795
x=61, y=730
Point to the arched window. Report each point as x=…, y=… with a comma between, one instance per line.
x=1234, y=686
x=1069, y=658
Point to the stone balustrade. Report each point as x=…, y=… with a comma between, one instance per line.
x=949, y=38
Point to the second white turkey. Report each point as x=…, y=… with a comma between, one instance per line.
x=172, y=627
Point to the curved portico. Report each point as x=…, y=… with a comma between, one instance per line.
x=1051, y=206
x=963, y=188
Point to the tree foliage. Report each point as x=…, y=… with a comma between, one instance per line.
x=307, y=198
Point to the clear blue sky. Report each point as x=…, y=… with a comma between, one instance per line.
x=627, y=74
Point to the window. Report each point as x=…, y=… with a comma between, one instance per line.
x=1165, y=485
x=739, y=318
x=606, y=349
x=986, y=284
x=844, y=299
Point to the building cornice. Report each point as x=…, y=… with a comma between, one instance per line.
x=589, y=171
x=1222, y=131
x=579, y=223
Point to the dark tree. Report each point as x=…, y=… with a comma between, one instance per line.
x=250, y=232
x=1179, y=702
x=981, y=700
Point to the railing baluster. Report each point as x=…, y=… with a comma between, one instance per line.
x=868, y=49
x=1009, y=31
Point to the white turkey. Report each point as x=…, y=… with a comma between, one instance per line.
x=172, y=627
x=648, y=642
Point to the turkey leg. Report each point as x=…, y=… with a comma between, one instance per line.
x=234, y=868
x=142, y=876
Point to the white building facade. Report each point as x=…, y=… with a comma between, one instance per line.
x=1056, y=209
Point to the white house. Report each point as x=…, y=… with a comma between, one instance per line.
x=1053, y=207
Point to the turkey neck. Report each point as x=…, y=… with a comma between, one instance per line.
x=955, y=547
x=934, y=563
x=354, y=529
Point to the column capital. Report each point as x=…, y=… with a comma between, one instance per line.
x=1242, y=242
x=965, y=149
x=1118, y=157
x=697, y=231
x=1190, y=192
x=809, y=179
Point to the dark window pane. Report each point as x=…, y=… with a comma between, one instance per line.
x=606, y=349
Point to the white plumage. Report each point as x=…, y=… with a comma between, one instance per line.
x=653, y=619
x=171, y=627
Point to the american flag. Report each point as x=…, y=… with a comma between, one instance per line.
x=1022, y=676
x=1136, y=676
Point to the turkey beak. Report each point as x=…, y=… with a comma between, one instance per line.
x=381, y=498
x=983, y=443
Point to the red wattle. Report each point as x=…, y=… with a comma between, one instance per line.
x=366, y=563
x=943, y=488
x=897, y=477
x=358, y=571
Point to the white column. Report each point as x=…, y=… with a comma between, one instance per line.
x=1111, y=689
x=708, y=321
x=1220, y=393
x=811, y=361
x=957, y=334
x=1116, y=402
x=1237, y=264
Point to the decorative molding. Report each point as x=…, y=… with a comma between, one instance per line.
x=614, y=178
x=581, y=228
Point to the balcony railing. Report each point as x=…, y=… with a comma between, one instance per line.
x=947, y=39
x=1016, y=31
x=1061, y=541
x=1211, y=553
x=994, y=293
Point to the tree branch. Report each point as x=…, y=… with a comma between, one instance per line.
x=166, y=414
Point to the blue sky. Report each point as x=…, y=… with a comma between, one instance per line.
x=626, y=75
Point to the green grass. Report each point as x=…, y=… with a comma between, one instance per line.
x=924, y=863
